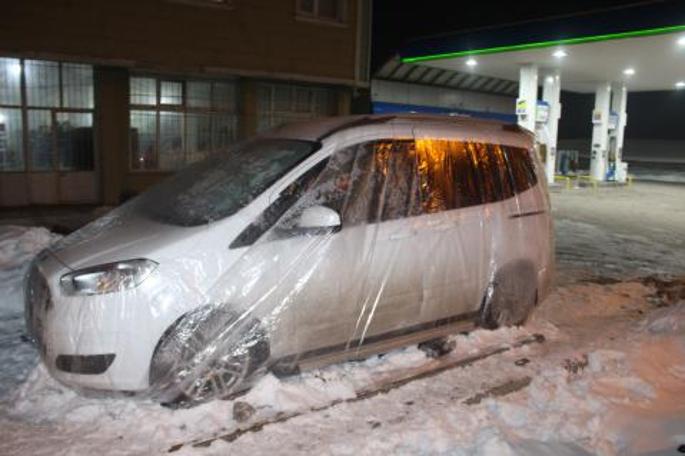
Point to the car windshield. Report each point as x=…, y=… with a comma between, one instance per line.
x=219, y=186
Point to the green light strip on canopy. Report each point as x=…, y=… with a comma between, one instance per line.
x=545, y=44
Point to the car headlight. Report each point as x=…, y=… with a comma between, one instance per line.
x=107, y=278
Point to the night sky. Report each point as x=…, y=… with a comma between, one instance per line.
x=395, y=22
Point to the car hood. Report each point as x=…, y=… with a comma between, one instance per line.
x=122, y=235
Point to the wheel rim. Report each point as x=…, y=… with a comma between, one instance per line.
x=220, y=379
x=222, y=375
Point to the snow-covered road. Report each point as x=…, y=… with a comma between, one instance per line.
x=609, y=378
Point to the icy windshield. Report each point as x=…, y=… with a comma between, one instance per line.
x=221, y=185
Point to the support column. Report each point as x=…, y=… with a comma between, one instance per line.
x=526, y=104
x=600, y=132
x=619, y=98
x=112, y=137
x=247, y=108
x=551, y=91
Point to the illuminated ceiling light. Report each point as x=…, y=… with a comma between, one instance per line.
x=471, y=62
x=549, y=79
x=2, y=118
x=629, y=71
x=559, y=54
x=681, y=41
x=680, y=85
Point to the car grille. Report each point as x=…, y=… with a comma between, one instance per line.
x=38, y=303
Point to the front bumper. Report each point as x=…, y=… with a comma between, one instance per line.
x=102, y=342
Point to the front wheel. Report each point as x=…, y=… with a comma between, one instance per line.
x=208, y=354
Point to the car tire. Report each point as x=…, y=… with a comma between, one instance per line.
x=510, y=297
x=207, y=354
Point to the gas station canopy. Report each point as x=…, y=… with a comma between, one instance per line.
x=643, y=46
x=610, y=52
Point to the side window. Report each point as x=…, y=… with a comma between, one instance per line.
x=287, y=198
x=521, y=167
x=448, y=175
x=495, y=183
x=488, y=187
x=501, y=170
x=466, y=177
x=372, y=182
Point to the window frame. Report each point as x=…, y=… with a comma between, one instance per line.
x=54, y=111
x=272, y=213
x=314, y=17
x=292, y=115
x=183, y=108
x=526, y=164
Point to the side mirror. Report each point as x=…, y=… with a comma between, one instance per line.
x=319, y=217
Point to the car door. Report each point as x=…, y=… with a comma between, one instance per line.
x=365, y=284
x=455, y=231
x=382, y=207
x=327, y=290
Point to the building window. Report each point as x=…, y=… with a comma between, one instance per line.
x=46, y=116
x=177, y=122
x=331, y=11
x=278, y=104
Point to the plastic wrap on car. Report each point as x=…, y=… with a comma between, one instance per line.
x=436, y=231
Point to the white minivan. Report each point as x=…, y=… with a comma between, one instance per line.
x=313, y=243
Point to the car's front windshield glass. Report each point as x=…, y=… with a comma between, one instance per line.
x=223, y=184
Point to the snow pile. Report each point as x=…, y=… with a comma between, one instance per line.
x=42, y=400
x=604, y=400
x=18, y=245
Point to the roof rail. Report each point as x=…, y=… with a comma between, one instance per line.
x=356, y=123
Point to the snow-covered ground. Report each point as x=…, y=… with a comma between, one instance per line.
x=18, y=245
x=657, y=171
x=609, y=377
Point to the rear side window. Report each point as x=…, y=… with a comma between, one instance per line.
x=495, y=183
x=500, y=170
x=448, y=175
x=521, y=168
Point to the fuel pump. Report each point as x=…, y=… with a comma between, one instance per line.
x=541, y=132
x=618, y=121
x=611, y=159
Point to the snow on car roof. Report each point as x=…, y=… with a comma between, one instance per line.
x=317, y=129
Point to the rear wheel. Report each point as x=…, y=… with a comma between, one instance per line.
x=509, y=298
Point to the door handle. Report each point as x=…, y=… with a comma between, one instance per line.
x=401, y=235
x=442, y=225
